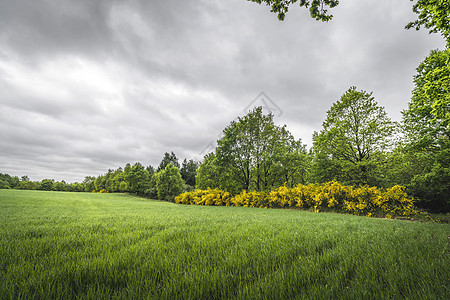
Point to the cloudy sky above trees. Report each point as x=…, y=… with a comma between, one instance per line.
x=91, y=85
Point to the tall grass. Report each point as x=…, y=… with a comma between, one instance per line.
x=102, y=246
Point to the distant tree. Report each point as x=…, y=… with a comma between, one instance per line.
x=427, y=130
x=169, y=183
x=46, y=185
x=150, y=170
x=433, y=15
x=317, y=8
x=123, y=187
x=24, y=178
x=100, y=183
x=138, y=179
x=168, y=159
x=12, y=181
x=4, y=184
x=77, y=187
x=355, y=136
x=61, y=186
x=27, y=185
x=188, y=171
x=127, y=169
x=119, y=181
x=88, y=183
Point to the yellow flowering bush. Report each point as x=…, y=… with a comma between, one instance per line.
x=209, y=196
x=365, y=200
x=251, y=199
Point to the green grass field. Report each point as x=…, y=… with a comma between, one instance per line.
x=102, y=246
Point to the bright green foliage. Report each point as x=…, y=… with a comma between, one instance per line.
x=117, y=181
x=212, y=174
x=427, y=119
x=255, y=154
x=138, y=179
x=434, y=15
x=88, y=183
x=355, y=136
x=60, y=186
x=56, y=245
x=4, y=184
x=27, y=185
x=169, y=183
x=317, y=8
x=7, y=181
x=368, y=201
x=46, y=185
x=427, y=128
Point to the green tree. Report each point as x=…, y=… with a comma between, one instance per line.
x=138, y=179
x=427, y=119
x=434, y=15
x=150, y=170
x=317, y=8
x=211, y=174
x=46, y=185
x=169, y=183
x=292, y=167
x=427, y=130
x=252, y=153
x=115, y=180
x=100, y=183
x=4, y=184
x=27, y=185
x=11, y=181
x=88, y=183
x=168, y=159
x=61, y=186
x=355, y=137
x=188, y=171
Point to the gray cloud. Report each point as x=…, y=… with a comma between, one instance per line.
x=92, y=85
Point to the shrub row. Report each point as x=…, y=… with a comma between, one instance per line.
x=365, y=200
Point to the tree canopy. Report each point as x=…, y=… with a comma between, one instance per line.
x=427, y=130
x=254, y=154
x=355, y=133
x=168, y=159
x=317, y=8
x=427, y=119
x=433, y=15
x=169, y=183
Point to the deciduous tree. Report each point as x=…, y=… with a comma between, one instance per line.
x=252, y=152
x=427, y=128
x=169, y=183
x=433, y=15
x=138, y=179
x=355, y=135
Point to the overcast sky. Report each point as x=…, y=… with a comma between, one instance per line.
x=91, y=85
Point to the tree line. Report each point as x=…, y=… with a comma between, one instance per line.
x=165, y=182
